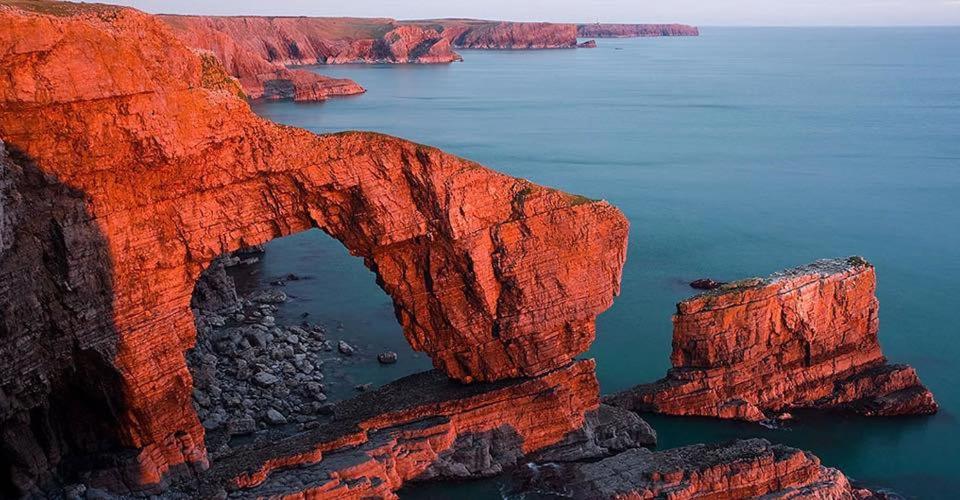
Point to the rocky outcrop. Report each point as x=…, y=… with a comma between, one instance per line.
x=501, y=35
x=425, y=427
x=312, y=40
x=603, y=30
x=139, y=171
x=751, y=468
x=801, y=338
x=216, y=292
x=232, y=41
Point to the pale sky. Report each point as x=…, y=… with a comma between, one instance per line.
x=700, y=12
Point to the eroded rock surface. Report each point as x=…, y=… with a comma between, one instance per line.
x=257, y=50
x=752, y=468
x=147, y=168
x=425, y=427
x=259, y=75
x=801, y=338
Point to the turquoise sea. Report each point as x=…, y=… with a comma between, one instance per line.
x=735, y=154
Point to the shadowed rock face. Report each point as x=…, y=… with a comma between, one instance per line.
x=55, y=311
x=492, y=276
x=749, y=468
x=801, y=338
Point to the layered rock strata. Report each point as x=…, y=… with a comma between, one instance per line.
x=602, y=30
x=752, y=468
x=141, y=168
x=425, y=427
x=504, y=35
x=259, y=67
x=312, y=40
x=801, y=338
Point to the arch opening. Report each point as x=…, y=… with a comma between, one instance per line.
x=268, y=360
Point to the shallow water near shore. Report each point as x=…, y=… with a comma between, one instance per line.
x=738, y=153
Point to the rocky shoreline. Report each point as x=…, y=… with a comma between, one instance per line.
x=263, y=52
x=252, y=376
x=256, y=379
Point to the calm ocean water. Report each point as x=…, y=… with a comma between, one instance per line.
x=738, y=153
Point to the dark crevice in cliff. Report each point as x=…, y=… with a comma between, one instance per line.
x=61, y=399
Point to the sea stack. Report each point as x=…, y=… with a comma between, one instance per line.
x=800, y=338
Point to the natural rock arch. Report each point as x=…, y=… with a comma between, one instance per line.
x=492, y=276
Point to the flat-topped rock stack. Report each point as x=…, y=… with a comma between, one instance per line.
x=801, y=338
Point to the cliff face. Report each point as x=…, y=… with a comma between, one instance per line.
x=257, y=50
x=751, y=468
x=475, y=34
x=143, y=176
x=232, y=42
x=313, y=40
x=802, y=338
x=599, y=30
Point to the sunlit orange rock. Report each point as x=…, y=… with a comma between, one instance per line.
x=492, y=276
x=313, y=40
x=417, y=428
x=230, y=41
x=801, y=338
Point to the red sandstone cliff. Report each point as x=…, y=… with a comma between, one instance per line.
x=140, y=167
x=602, y=30
x=412, y=429
x=802, y=338
x=261, y=75
x=496, y=35
x=313, y=40
x=257, y=50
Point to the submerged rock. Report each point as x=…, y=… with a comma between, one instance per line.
x=387, y=358
x=345, y=348
x=706, y=284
